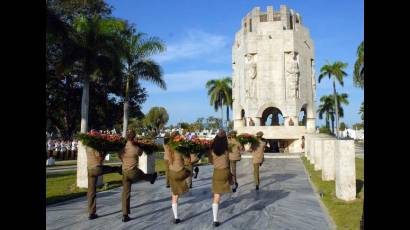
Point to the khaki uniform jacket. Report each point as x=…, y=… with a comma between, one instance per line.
x=176, y=160
x=129, y=156
x=235, y=155
x=219, y=162
x=166, y=152
x=94, y=158
x=191, y=160
x=258, y=152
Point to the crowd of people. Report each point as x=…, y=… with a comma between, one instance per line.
x=61, y=149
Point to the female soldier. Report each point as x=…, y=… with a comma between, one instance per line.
x=234, y=156
x=177, y=177
x=167, y=137
x=189, y=163
x=222, y=178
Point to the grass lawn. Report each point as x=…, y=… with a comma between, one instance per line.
x=63, y=163
x=62, y=186
x=113, y=158
x=346, y=215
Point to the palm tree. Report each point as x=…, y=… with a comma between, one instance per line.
x=96, y=49
x=337, y=71
x=220, y=92
x=358, y=75
x=361, y=111
x=138, y=65
x=341, y=99
x=327, y=107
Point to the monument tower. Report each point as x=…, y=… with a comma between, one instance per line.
x=273, y=80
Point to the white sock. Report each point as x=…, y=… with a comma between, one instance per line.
x=215, y=212
x=175, y=210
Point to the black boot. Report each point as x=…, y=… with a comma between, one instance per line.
x=257, y=187
x=177, y=221
x=125, y=218
x=216, y=223
x=153, y=178
x=236, y=187
x=92, y=216
x=196, y=172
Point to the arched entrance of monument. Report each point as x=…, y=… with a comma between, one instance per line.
x=279, y=145
x=302, y=116
x=272, y=116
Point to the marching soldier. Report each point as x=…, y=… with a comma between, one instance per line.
x=258, y=157
x=95, y=168
x=177, y=178
x=167, y=137
x=189, y=163
x=131, y=173
x=234, y=156
x=221, y=178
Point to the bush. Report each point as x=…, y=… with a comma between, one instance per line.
x=325, y=130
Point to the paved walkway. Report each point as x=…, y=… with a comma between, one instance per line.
x=285, y=200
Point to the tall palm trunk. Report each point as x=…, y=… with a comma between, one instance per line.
x=126, y=106
x=222, y=115
x=336, y=108
x=327, y=120
x=227, y=113
x=227, y=116
x=85, y=102
x=82, y=179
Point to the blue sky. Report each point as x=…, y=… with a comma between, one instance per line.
x=199, y=35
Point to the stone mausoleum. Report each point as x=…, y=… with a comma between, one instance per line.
x=273, y=78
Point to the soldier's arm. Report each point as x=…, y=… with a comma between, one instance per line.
x=210, y=160
x=120, y=154
x=194, y=159
x=140, y=151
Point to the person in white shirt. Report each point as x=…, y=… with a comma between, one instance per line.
x=74, y=149
x=63, y=150
x=50, y=148
x=56, y=149
x=68, y=147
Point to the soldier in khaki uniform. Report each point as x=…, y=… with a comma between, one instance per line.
x=258, y=157
x=177, y=178
x=166, y=154
x=95, y=169
x=222, y=177
x=189, y=163
x=131, y=173
x=234, y=156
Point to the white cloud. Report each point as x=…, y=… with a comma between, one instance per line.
x=196, y=44
x=187, y=80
